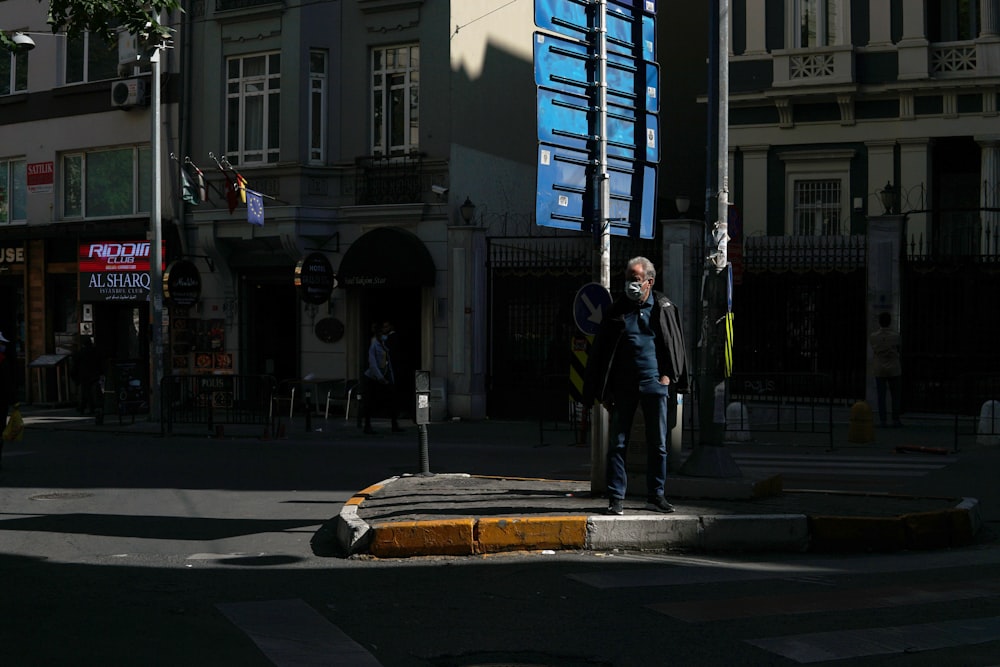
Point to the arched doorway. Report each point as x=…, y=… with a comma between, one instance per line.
x=388, y=274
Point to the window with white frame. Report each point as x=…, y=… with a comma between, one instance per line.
x=816, y=23
x=106, y=183
x=817, y=191
x=817, y=208
x=13, y=72
x=253, y=103
x=952, y=20
x=13, y=191
x=395, y=99
x=317, y=106
x=90, y=58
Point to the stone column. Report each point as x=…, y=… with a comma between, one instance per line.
x=681, y=271
x=885, y=248
x=913, y=48
x=989, y=196
x=989, y=18
x=466, y=321
x=756, y=14
x=879, y=22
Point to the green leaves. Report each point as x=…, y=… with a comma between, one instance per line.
x=104, y=17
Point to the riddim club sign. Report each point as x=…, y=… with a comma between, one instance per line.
x=114, y=271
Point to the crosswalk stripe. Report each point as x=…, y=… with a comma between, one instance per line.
x=844, y=644
x=293, y=634
x=696, y=611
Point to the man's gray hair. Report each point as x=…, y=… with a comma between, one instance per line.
x=648, y=269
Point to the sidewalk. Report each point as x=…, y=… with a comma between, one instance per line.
x=466, y=514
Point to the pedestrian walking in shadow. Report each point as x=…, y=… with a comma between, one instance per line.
x=87, y=373
x=886, y=368
x=379, y=389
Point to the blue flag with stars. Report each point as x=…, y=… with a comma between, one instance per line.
x=255, y=208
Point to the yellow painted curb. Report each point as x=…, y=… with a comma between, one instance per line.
x=850, y=533
x=549, y=532
x=450, y=537
x=363, y=495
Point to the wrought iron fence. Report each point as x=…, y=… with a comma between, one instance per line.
x=800, y=308
x=532, y=282
x=216, y=399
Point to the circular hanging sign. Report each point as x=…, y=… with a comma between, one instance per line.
x=314, y=278
x=329, y=330
x=182, y=283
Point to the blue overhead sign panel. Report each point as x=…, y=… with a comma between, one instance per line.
x=565, y=198
x=568, y=118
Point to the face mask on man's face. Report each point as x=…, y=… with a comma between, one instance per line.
x=633, y=290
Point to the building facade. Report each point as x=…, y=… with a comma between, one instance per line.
x=393, y=141
x=864, y=137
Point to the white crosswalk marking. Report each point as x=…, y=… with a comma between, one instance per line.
x=840, y=645
x=828, y=588
x=848, y=468
x=293, y=634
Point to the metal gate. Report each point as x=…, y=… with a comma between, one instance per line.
x=532, y=282
x=800, y=308
x=949, y=325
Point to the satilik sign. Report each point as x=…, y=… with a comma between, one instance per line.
x=114, y=271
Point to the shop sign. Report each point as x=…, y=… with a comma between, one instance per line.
x=182, y=283
x=12, y=254
x=40, y=176
x=114, y=271
x=314, y=278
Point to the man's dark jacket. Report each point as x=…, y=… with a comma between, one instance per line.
x=671, y=354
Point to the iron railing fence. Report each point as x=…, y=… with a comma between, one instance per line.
x=216, y=399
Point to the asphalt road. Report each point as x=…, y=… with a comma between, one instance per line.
x=130, y=549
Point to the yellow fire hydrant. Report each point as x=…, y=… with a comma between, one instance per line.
x=861, y=425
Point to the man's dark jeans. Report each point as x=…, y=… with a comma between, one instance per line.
x=654, y=411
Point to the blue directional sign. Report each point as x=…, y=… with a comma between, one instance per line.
x=566, y=66
x=589, y=306
x=565, y=199
x=567, y=115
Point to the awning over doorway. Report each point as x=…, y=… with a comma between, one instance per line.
x=386, y=257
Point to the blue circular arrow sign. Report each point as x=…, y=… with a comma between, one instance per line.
x=591, y=301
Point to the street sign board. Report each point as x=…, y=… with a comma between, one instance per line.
x=565, y=199
x=582, y=131
x=565, y=65
x=591, y=302
x=564, y=120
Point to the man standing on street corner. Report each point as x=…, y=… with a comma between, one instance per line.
x=638, y=359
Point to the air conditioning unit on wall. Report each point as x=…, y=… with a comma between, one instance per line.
x=128, y=93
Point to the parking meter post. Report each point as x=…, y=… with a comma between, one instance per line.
x=422, y=416
x=309, y=410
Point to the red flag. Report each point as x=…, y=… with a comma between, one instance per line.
x=232, y=197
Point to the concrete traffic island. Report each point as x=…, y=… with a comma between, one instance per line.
x=464, y=515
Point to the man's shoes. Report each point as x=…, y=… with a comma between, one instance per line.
x=615, y=507
x=660, y=504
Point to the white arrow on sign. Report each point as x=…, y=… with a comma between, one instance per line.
x=595, y=311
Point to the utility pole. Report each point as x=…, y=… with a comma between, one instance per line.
x=602, y=189
x=156, y=249
x=710, y=457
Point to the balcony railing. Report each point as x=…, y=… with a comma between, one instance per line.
x=953, y=58
x=388, y=180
